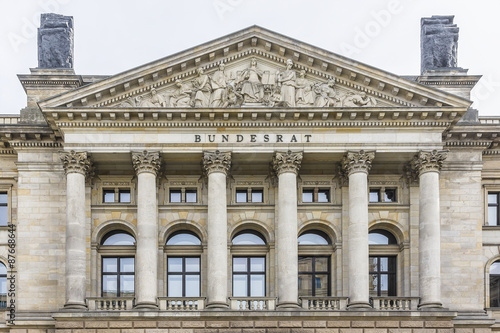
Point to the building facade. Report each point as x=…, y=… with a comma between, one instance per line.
x=254, y=183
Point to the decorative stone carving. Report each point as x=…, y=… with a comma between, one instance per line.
x=304, y=94
x=361, y=99
x=55, y=41
x=287, y=162
x=182, y=97
x=438, y=43
x=76, y=162
x=146, y=162
x=426, y=161
x=216, y=161
x=218, y=82
x=252, y=89
x=326, y=95
x=201, y=89
x=156, y=100
x=357, y=162
x=287, y=83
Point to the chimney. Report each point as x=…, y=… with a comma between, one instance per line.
x=55, y=42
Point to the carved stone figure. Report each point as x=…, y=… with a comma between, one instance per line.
x=326, y=94
x=131, y=102
x=182, y=97
x=219, y=87
x=156, y=100
x=234, y=98
x=439, y=43
x=251, y=85
x=286, y=79
x=304, y=94
x=202, y=89
x=361, y=99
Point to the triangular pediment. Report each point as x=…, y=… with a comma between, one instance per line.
x=255, y=75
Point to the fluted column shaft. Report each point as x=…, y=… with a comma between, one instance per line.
x=427, y=165
x=356, y=165
x=146, y=165
x=77, y=167
x=216, y=166
x=286, y=166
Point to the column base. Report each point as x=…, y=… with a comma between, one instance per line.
x=359, y=306
x=288, y=306
x=430, y=306
x=217, y=305
x=146, y=306
x=75, y=306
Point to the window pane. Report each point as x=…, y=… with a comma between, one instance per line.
x=321, y=264
x=110, y=265
x=305, y=286
x=307, y=195
x=119, y=239
x=184, y=239
x=241, y=196
x=124, y=195
x=492, y=198
x=305, y=264
x=374, y=195
x=192, y=264
x=248, y=239
x=126, y=265
x=373, y=284
x=257, y=265
x=175, y=195
x=258, y=285
x=4, y=215
x=384, y=264
x=3, y=198
x=240, y=286
x=109, y=286
x=174, y=264
x=108, y=196
x=191, y=196
x=321, y=285
x=126, y=285
x=3, y=269
x=311, y=238
x=239, y=264
x=372, y=264
x=375, y=238
x=257, y=196
x=493, y=215
x=494, y=268
x=390, y=195
x=494, y=291
x=174, y=285
x=192, y=286
x=323, y=195
x=3, y=286
x=384, y=285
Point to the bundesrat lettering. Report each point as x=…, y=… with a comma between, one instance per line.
x=258, y=138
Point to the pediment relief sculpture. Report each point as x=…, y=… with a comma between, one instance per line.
x=252, y=85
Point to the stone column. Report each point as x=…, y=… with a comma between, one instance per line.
x=356, y=165
x=146, y=165
x=77, y=166
x=216, y=165
x=427, y=165
x=287, y=165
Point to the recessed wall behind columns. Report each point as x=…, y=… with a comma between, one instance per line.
x=462, y=266
x=41, y=231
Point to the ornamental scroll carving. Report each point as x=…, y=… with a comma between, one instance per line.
x=216, y=161
x=357, y=162
x=287, y=162
x=426, y=161
x=254, y=85
x=146, y=162
x=74, y=162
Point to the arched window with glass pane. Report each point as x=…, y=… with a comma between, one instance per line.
x=315, y=251
x=3, y=286
x=495, y=285
x=183, y=271
x=117, y=252
x=249, y=264
x=383, y=266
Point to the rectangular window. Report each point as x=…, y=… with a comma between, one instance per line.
x=493, y=211
x=383, y=195
x=315, y=195
x=183, y=195
x=116, y=195
x=382, y=276
x=4, y=209
x=249, y=276
x=241, y=195
x=118, y=277
x=124, y=196
x=257, y=195
x=250, y=194
x=108, y=196
x=314, y=276
x=175, y=196
x=191, y=196
x=183, y=277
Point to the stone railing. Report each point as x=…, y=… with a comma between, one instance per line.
x=324, y=303
x=9, y=120
x=252, y=303
x=489, y=120
x=395, y=303
x=181, y=303
x=110, y=303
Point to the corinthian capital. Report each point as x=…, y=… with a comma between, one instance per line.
x=74, y=162
x=354, y=161
x=146, y=162
x=287, y=162
x=426, y=161
x=216, y=161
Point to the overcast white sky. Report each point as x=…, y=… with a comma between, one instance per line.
x=112, y=36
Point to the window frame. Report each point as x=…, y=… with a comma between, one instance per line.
x=118, y=274
x=317, y=184
x=381, y=194
x=392, y=275
x=115, y=184
x=5, y=301
x=393, y=250
x=248, y=273
x=184, y=185
x=250, y=185
x=313, y=273
x=488, y=205
x=184, y=273
x=7, y=188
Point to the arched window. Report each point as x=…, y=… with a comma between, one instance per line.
x=495, y=284
x=249, y=264
x=183, y=270
x=383, y=267
x=315, y=253
x=3, y=286
x=118, y=271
